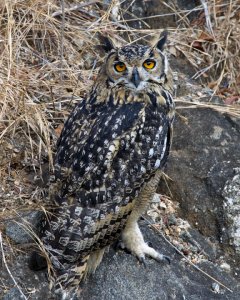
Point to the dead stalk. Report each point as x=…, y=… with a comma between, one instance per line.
x=6, y=266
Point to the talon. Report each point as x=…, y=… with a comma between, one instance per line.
x=118, y=245
x=162, y=257
x=149, y=244
x=167, y=258
x=142, y=261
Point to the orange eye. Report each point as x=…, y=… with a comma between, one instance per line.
x=120, y=67
x=149, y=64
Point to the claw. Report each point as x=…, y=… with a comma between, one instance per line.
x=167, y=258
x=142, y=261
x=162, y=257
x=118, y=245
x=150, y=244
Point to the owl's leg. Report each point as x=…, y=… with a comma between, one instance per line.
x=133, y=241
x=131, y=236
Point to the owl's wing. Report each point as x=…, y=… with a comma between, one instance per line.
x=105, y=149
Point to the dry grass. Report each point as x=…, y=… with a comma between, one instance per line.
x=43, y=73
x=48, y=64
x=211, y=43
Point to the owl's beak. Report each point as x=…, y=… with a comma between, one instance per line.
x=135, y=77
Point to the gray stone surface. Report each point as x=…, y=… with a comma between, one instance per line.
x=145, y=10
x=231, y=194
x=204, y=156
x=121, y=276
x=14, y=293
x=34, y=285
x=19, y=229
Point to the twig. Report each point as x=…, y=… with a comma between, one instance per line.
x=62, y=44
x=188, y=260
x=9, y=272
x=62, y=36
x=204, y=70
x=75, y=7
x=207, y=16
x=231, y=110
x=162, y=15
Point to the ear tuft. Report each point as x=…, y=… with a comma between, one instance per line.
x=105, y=43
x=163, y=38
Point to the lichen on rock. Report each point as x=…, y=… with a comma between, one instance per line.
x=231, y=194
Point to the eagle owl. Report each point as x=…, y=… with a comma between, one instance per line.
x=108, y=164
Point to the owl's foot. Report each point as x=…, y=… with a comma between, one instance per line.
x=133, y=241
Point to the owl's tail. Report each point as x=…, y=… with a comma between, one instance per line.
x=65, y=283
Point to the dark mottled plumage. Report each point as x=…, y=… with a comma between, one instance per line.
x=108, y=163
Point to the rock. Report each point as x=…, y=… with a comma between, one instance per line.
x=17, y=229
x=225, y=267
x=34, y=285
x=13, y=294
x=216, y=287
x=203, y=244
x=121, y=276
x=158, y=14
x=205, y=153
x=231, y=194
x=189, y=5
x=172, y=220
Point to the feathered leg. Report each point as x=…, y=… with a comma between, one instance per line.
x=131, y=236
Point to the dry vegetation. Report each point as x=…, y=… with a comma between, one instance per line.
x=49, y=61
x=211, y=42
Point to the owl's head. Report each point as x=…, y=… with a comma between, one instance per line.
x=136, y=67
